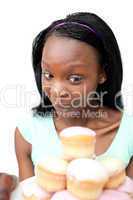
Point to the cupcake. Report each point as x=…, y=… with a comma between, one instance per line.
x=31, y=191
x=86, y=178
x=78, y=142
x=51, y=174
x=116, y=170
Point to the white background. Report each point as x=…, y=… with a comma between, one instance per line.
x=20, y=21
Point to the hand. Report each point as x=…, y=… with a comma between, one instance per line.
x=7, y=185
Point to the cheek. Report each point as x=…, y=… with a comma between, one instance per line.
x=87, y=87
x=82, y=93
x=46, y=87
x=90, y=87
x=92, y=81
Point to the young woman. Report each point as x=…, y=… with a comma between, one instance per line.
x=78, y=72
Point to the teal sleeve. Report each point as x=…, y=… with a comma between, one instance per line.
x=24, y=124
x=130, y=127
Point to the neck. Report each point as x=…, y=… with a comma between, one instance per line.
x=77, y=118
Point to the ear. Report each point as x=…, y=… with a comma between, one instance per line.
x=102, y=77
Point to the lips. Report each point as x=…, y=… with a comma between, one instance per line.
x=61, y=103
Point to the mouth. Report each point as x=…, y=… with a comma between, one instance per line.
x=62, y=103
x=69, y=109
x=62, y=106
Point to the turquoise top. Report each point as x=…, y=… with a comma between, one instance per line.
x=41, y=133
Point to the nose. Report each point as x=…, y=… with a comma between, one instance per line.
x=58, y=90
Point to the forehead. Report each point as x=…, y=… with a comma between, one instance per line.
x=63, y=50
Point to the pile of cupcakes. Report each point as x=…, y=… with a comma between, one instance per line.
x=77, y=174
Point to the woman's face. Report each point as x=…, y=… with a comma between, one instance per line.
x=70, y=73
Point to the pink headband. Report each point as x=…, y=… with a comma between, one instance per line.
x=77, y=23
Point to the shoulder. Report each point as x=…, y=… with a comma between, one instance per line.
x=126, y=130
x=112, y=116
x=30, y=124
x=109, y=118
x=126, y=122
x=30, y=119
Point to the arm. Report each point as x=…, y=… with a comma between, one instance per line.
x=23, y=153
x=129, y=169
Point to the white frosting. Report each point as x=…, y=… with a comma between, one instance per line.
x=87, y=169
x=113, y=165
x=77, y=130
x=54, y=164
x=31, y=188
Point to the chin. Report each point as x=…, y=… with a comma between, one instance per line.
x=68, y=112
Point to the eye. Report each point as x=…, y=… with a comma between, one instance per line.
x=47, y=75
x=76, y=79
